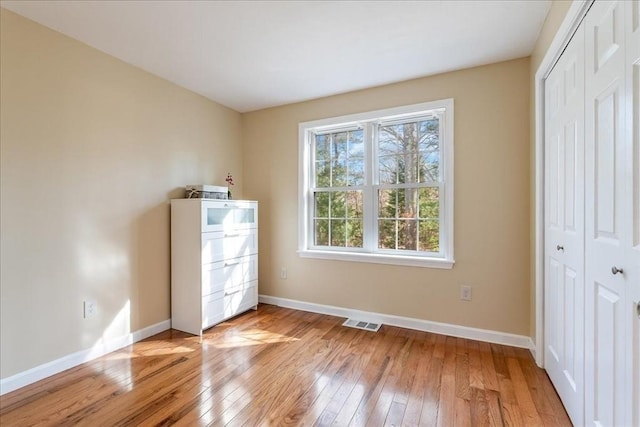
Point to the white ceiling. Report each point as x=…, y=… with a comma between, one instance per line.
x=250, y=55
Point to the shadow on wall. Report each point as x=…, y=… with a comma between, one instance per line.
x=153, y=264
x=137, y=288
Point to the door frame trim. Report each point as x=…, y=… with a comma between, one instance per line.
x=574, y=16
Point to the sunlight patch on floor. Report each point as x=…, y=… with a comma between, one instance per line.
x=249, y=338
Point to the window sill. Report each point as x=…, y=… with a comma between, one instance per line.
x=412, y=261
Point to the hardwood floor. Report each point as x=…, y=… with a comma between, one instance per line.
x=277, y=366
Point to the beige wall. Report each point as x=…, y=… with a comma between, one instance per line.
x=554, y=18
x=492, y=209
x=91, y=151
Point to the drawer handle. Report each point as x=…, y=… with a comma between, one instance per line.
x=231, y=234
x=615, y=270
x=226, y=294
x=227, y=264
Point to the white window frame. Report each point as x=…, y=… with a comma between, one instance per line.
x=306, y=130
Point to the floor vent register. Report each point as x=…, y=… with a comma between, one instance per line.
x=359, y=324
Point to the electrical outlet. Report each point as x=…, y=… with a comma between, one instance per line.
x=283, y=273
x=465, y=293
x=89, y=309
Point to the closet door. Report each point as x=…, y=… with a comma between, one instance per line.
x=564, y=227
x=632, y=40
x=608, y=216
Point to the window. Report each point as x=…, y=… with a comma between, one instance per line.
x=378, y=186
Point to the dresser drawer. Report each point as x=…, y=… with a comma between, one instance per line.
x=240, y=299
x=222, y=305
x=212, y=309
x=219, y=246
x=220, y=215
x=224, y=275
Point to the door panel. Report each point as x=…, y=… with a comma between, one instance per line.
x=634, y=129
x=570, y=183
x=564, y=227
x=570, y=302
x=607, y=217
x=607, y=35
x=553, y=343
x=606, y=142
x=554, y=194
x=632, y=314
x=608, y=411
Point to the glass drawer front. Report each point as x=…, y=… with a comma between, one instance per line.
x=244, y=216
x=219, y=216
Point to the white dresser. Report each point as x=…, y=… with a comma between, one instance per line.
x=214, y=261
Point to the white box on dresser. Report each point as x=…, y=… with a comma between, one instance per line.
x=214, y=261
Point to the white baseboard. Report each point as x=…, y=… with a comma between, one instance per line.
x=532, y=348
x=45, y=370
x=485, y=335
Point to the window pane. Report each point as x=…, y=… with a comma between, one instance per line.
x=408, y=235
x=354, y=233
x=407, y=203
x=321, y=204
x=354, y=204
x=337, y=232
x=339, y=172
x=430, y=133
x=429, y=167
x=390, y=139
x=386, y=234
x=356, y=171
x=338, y=204
x=429, y=203
x=408, y=167
x=388, y=169
x=416, y=145
x=322, y=147
x=429, y=236
x=429, y=150
x=387, y=203
x=323, y=174
x=339, y=146
x=322, y=232
x=356, y=143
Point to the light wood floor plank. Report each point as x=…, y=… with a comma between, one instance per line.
x=277, y=366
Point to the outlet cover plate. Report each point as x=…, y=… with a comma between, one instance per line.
x=465, y=293
x=89, y=309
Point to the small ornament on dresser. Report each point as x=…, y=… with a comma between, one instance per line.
x=229, y=184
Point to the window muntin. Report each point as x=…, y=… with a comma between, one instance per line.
x=379, y=186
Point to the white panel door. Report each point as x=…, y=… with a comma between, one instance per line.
x=564, y=227
x=607, y=216
x=632, y=39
